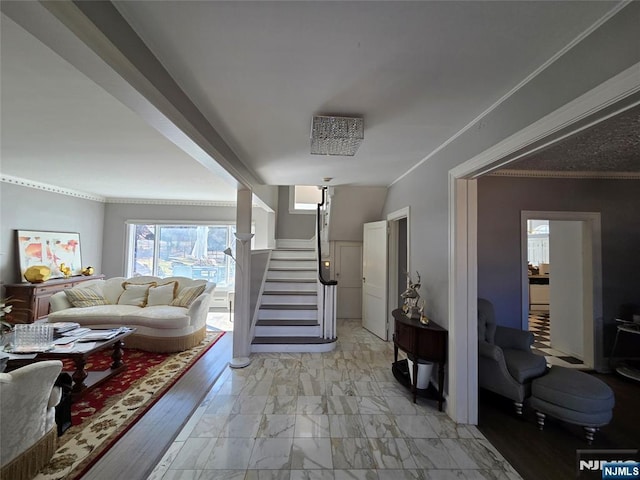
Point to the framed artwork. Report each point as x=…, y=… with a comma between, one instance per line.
x=50, y=249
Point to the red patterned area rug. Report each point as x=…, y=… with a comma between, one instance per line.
x=103, y=415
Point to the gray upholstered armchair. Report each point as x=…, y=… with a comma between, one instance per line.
x=506, y=364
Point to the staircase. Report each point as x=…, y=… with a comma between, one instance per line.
x=288, y=314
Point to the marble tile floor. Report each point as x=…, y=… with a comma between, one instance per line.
x=331, y=416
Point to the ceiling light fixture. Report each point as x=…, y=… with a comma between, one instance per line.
x=336, y=135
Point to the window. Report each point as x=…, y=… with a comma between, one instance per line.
x=304, y=198
x=194, y=251
x=538, y=241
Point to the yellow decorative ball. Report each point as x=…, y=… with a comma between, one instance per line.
x=37, y=273
x=87, y=271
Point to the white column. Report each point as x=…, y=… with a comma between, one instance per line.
x=242, y=314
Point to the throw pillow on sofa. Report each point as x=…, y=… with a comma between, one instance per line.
x=135, y=294
x=84, y=297
x=162, y=294
x=188, y=295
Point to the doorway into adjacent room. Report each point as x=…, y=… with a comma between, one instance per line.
x=561, y=294
x=399, y=264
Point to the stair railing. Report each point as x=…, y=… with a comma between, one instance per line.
x=327, y=289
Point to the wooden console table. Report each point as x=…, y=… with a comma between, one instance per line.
x=31, y=300
x=426, y=342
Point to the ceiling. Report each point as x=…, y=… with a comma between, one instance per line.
x=61, y=128
x=417, y=72
x=612, y=145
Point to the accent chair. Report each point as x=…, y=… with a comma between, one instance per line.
x=506, y=364
x=27, y=419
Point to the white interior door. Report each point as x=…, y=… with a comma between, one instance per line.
x=348, y=268
x=374, y=278
x=566, y=286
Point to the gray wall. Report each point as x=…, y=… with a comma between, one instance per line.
x=116, y=215
x=268, y=194
x=293, y=225
x=24, y=208
x=608, y=51
x=500, y=201
x=351, y=208
x=33, y=209
x=265, y=225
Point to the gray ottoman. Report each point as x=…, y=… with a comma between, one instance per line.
x=574, y=397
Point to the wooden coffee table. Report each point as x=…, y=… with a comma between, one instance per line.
x=84, y=380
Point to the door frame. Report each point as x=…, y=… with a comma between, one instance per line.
x=604, y=101
x=393, y=220
x=592, y=222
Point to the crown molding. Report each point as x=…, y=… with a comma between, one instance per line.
x=23, y=182
x=597, y=24
x=191, y=203
x=566, y=174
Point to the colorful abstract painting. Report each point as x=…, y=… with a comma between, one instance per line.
x=51, y=249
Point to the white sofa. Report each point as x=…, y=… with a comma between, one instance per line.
x=167, y=318
x=27, y=419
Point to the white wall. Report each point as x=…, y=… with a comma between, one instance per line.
x=24, y=208
x=259, y=264
x=265, y=228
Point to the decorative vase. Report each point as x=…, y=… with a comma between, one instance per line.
x=37, y=274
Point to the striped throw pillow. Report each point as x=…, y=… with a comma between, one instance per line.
x=187, y=295
x=84, y=297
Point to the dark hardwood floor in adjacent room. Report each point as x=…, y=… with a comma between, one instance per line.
x=551, y=454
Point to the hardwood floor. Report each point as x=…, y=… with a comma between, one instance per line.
x=139, y=450
x=551, y=453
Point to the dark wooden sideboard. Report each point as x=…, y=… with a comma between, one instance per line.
x=31, y=300
x=426, y=342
